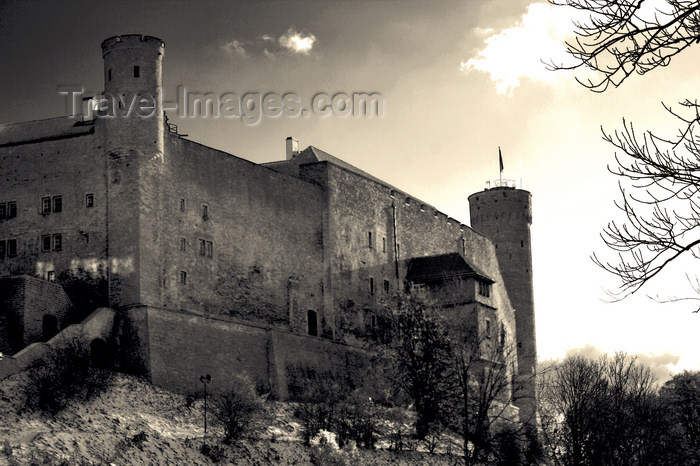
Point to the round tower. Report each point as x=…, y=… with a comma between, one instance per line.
x=131, y=116
x=504, y=214
x=133, y=76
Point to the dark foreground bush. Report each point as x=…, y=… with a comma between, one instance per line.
x=64, y=374
x=237, y=410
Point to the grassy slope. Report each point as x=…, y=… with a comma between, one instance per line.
x=133, y=422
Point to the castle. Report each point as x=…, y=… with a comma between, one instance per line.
x=219, y=265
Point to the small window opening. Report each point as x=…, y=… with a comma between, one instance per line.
x=205, y=212
x=89, y=200
x=58, y=204
x=57, y=242
x=11, y=247
x=46, y=243
x=371, y=286
x=51, y=276
x=183, y=277
x=369, y=239
x=386, y=286
x=109, y=74
x=45, y=205
x=182, y=204
x=383, y=244
x=183, y=244
x=137, y=71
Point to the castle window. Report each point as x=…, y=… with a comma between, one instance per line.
x=183, y=244
x=522, y=244
x=484, y=289
x=137, y=71
x=383, y=244
x=51, y=276
x=45, y=205
x=46, y=243
x=312, y=323
x=487, y=330
x=210, y=249
x=371, y=286
x=57, y=204
x=386, y=286
x=205, y=212
x=89, y=200
x=11, y=247
x=57, y=242
x=202, y=247
x=109, y=74
x=8, y=210
x=182, y=204
x=3, y=245
x=183, y=277
x=369, y=239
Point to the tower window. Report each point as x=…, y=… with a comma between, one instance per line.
x=183, y=277
x=45, y=205
x=386, y=286
x=210, y=249
x=383, y=244
x=522, y=244
x=137, y=71
x=369, y=239
x=109, y=74
x=89, y=200
x=371, y=286
x=58, y=204
x=11, y=247
x=183, y=244
x=182, y=204
x=487, y=330
x=205, y=212
x=57, y=242
x=46, y=243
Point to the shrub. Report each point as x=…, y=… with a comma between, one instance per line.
x=214, y=452
x=62, y=374
x=237, y=411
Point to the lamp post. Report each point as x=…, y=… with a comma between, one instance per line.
x=205, y=379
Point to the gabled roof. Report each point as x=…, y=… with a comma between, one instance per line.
x=441, y=268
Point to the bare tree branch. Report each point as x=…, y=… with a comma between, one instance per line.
x=622, y=37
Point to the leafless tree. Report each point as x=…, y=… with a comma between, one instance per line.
x=660, y=179
x=622, y=37
x=604, y=412
x=659, y=175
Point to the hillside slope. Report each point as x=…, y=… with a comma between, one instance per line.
x=133, y=422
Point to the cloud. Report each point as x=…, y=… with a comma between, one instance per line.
x=236, y=47
x=291, y=42
x=657, y=363
x=517, y=52
x=297, y=42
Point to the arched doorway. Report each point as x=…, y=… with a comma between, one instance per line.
x=100, y=356
x=312, y=320
x=49, y=327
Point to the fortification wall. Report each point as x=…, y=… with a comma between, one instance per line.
x=97, y=325
x=25, y=301
x=359, y=207
x=53, y=164
x=183, y=347
x=261, y=228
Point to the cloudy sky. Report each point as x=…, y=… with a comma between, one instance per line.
x=458, y=79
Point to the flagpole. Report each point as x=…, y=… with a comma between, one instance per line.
x=500, y=168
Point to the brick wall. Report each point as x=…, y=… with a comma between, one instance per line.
x=25, y=301
x=184, y=346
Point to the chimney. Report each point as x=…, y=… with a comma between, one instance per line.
x=292, y=147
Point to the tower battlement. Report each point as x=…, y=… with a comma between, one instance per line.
x=132, y=41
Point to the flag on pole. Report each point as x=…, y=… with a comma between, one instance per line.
x=500, y=159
